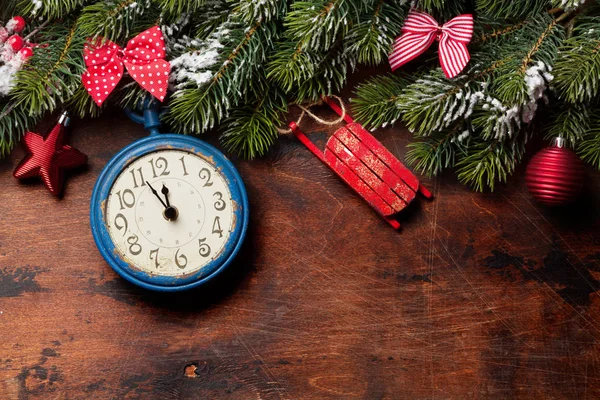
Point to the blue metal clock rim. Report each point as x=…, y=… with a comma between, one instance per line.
x=109, y=175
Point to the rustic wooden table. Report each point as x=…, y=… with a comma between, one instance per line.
x=480, y=295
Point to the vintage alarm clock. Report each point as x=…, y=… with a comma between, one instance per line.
x=169, y=212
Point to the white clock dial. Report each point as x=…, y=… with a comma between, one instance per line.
x=170, y=213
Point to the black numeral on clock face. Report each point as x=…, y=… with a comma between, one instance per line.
x=180, y=260
x=141, y=175
x=134, y=247
x=161, y=163
x=217, y=226
x=182, y=159
x=127, y=199
x=220, y=203
x=204, y=249
x=155, y=258
x=205, y=175
x=121, y=217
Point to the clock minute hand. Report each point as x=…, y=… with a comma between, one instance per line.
x=154, y=192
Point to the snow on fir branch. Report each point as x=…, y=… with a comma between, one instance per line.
x=196, y=67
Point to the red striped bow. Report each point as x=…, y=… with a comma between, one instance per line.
x=419, y=32
x=143, y=57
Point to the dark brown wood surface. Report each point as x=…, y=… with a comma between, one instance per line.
x=479, y=295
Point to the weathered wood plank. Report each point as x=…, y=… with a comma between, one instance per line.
x=480, y=295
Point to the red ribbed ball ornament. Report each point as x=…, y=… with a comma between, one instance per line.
x=555, y=175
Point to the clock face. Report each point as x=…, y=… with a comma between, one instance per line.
x=169, y=213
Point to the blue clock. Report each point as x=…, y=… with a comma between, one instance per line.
x=169, y=212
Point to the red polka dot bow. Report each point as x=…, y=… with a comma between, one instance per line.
x=420, y=30
x=143, y=57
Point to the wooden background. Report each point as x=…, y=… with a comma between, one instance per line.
x=479, y=296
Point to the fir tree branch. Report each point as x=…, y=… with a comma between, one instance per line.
x=497, y=32
x=117, y=21
x=250, y=11
x=251, y=129
x=571, y=123
x=14, y=121
x=543, y=37
x=53, y=73
x=319, y=24
x=577, y=71
x=487, y=163
x=376, y=101
x=370, y=40
x=199, y=109
x=178, y=7
x=511, y=9
x=430, y=155
x=51, y=9
x=34, y=32
x=589, y=147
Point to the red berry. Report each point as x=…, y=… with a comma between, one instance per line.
x=26, y=52
x=15, y=42
x=16, y=24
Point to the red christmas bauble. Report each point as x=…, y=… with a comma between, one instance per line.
x=555, y=175
x=15, y=42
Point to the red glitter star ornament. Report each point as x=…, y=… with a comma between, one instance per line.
x=48, y=157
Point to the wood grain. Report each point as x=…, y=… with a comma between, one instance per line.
x=478, y=296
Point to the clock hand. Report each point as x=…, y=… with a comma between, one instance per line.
x=165, y=191
x=154, y=192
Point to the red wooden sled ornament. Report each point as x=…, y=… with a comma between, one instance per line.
x=367, y=167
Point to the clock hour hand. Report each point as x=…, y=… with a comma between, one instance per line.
x=165, y=192
x=154, y=192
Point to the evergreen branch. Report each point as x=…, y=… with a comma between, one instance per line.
x=251, y=129
x=199, y=109
x=178, y=7
x=291, y=65
x=543, y=37
x=497, y=33
x=577, y=71
x=319, y=24
x=430, y=155
x=14, y=121
x=510, y=8
x=82, y=105
x=308, y=74
x=572, y=123
x=376, y=101
x=9, y=9
x=487, y=163
x=589, y=147
x=329, y=76
x=370, y=40
x=433, y=103
x=214, y=14
x=250, y=11
x=34, y=32
x=53, y=73
x=51, y=9
x=441, y=10
x=117, y=21
x=536, y=47
x=567, y=5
